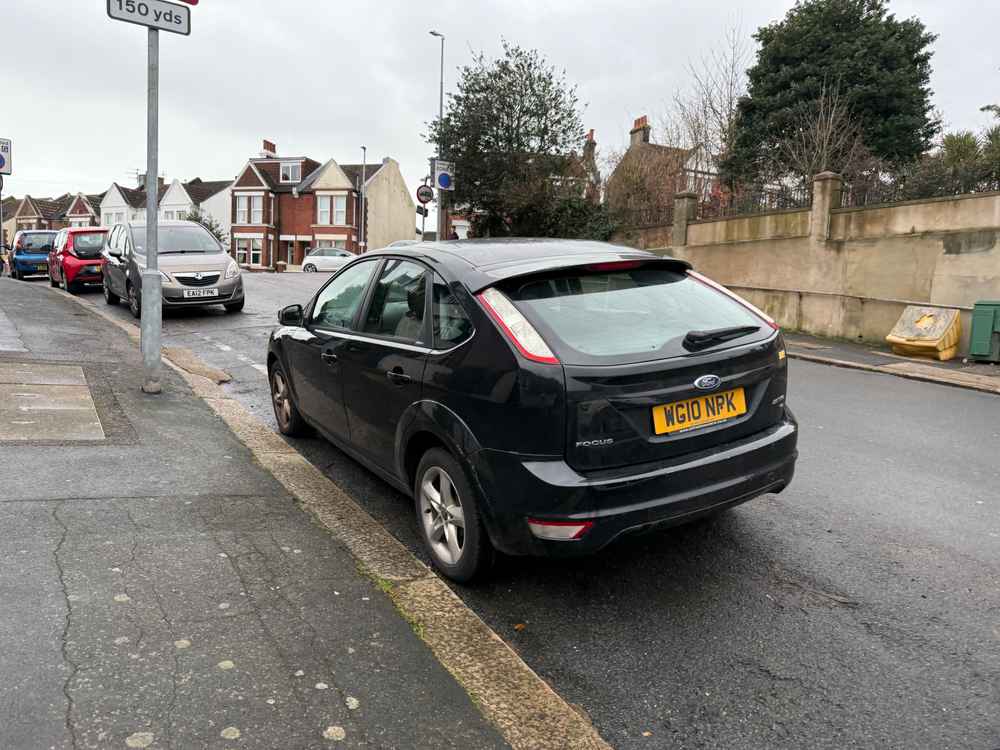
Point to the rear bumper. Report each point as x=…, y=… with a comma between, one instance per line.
x=628, y=501
x=30, y=264
x=76, y=270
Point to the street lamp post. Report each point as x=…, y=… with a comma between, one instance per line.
x=442, y=194
x=362, y=224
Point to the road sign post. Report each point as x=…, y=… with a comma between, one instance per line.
x=445, y=183
x=5, y=168
x=156, y=15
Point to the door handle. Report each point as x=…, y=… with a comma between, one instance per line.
x=398, y=377
x=328, y=357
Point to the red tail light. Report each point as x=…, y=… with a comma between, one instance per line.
x=752, y=308
x=562, y=531
x=521, y=333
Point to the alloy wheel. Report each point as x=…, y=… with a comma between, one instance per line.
x=442, y=515
x=133, y=301
x=282, y=402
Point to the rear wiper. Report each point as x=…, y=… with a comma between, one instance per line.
x=695, y=340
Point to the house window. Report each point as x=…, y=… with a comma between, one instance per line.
x=119, y=217
x=339, y=244
x=291, y=172
x=241, y=209
x=323, y=203
x=248, y=250
x=340, y=210
x=108, y=219
x=257, y=209
x=242, y=248
x=168, y=215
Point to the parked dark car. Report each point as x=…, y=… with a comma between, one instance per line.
x=30, y=253
x=539, y=397
x=76, y=258
x=194, y=268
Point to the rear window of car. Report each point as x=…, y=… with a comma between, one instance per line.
x=631, y=314
x=88, y=241
x=38, y=241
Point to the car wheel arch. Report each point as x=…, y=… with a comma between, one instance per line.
x=427, y=424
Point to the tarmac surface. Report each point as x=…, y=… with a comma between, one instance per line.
x=859, y=608
x=160, y=589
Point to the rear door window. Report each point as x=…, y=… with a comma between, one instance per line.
x=627, y=313
x=450, y=325
x=399, y=302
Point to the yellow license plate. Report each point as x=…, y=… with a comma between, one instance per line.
x=698, y=412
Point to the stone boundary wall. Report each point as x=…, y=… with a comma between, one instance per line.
x=845, y=272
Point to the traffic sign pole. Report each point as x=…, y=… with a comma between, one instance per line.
x=155, y=15
x=152, y=299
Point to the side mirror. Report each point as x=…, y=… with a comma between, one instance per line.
x=291, y=315
x=114, y=252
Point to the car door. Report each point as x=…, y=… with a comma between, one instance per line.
x=56, y=256
x=114, y=266
x=314, y=357
x=383, y=366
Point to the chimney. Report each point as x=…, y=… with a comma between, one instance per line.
x=269, y=150
x=589, y=146
x=640, y=131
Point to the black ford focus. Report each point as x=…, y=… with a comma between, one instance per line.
x=540, y=397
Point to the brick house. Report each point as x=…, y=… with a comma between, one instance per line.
x=42, y=213
x=649, y=175
x=282, y=206
x=83, y=211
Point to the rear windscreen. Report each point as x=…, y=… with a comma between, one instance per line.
x=629, y=315
x=37, y=243
x=88, y=242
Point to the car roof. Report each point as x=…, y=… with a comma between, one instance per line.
x=37, y=231
x=80, y=230
x=171, y=223
x=483, y=262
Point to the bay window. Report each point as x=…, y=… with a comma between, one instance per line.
x=242, y=214
x=257, y=209
x=340, y=210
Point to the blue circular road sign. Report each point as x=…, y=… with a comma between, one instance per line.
x=444, y=180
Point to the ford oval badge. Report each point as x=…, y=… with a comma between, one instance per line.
x=708, y=382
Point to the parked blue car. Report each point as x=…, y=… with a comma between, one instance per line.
x=30, y=255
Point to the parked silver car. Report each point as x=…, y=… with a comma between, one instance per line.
x=194, y=268
x=326, y=259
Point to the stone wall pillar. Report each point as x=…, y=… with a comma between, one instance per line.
x=684, y=211
x=827, y=189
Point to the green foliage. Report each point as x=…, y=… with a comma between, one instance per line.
x=511, y=129
x=568, y=217
x=209, y=223
x=880, y=64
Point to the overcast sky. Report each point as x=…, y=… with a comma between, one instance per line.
x=322, y=78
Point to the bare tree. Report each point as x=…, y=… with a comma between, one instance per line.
x=702, y=117
x=826, y=137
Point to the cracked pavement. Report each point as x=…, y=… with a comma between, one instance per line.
x=164, y=591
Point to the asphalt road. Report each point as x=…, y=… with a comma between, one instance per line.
x=860, y=608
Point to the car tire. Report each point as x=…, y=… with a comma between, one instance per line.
x=110, y=297
x=134, y=301
x=52, y=280
x=290, y=421
x=13, y=273
x=308, y=268
x=235, y=307
x=440, y=475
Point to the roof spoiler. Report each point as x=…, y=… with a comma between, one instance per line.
x=496, y=275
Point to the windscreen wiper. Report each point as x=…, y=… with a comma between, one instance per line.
x=695, y=340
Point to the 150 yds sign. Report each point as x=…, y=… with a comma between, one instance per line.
x=156, y=14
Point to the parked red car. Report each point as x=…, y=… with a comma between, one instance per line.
x=75, y=258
